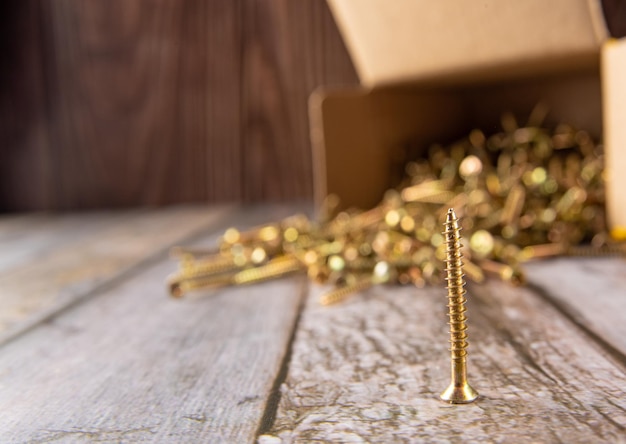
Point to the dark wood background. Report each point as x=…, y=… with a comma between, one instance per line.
x=112, y=103
x=108, y=103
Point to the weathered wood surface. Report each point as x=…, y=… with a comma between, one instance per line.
x=115, y=360
x=371, y=370
x=591, y=291
x=48, y=262
x=131, y=364
x=134, y=365
x=24, y=237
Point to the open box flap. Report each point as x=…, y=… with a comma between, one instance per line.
x=453, y=41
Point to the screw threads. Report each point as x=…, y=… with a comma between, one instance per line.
x=605, y=250
x=361, y=263
x=456, y=287
x=205, y=267
x=275, y=268
x=340, y=294
x=186, y=281
x=544, y=251
x=179, y=286
x=459, y=391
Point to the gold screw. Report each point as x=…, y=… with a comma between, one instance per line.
x=383, y=272
x=474, y=272
x=510, y=274
x=459, y=391
x=341, y=293
x=209, y=266
x=180, y=284
x=542, y=251
x=604, y=250
x=277, y=267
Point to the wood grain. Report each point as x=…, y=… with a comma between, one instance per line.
x=25, y=166
x=25, y=237
x=286, y=54
x=58, y=260
x=134, y=365
x=117, y=103
x=596, y=307
x=130, y=364
x=115, y=360
x=371, y=370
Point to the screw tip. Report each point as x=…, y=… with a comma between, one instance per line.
x=176, y=290
x=451, y=216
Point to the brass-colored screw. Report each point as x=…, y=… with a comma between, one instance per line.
x=263, y=233
x=590, y=251
x=435, y=191
x=341, y=293
x=355, y=222
x=277, y=267
x=383, y=272
x=513, y=205
x=545, y=251
x=459, y=391
x=542, y=251
x=508, y=273
x=208, y=266
x=473, y=272
x=179, y=284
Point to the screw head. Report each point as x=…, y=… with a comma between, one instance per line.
x=459, y=394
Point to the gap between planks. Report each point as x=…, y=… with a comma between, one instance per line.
x=273, y=399
x=559, y=281
x=225, y=403
x=371, y=370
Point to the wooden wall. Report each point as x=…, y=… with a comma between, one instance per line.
x=107, y=103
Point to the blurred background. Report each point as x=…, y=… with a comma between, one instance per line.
x=117, y=103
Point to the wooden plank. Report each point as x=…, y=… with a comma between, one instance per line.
x=26, y=236
x=53, y=268
x=26, y=179
x=599, y=307
x=119, y=84
x=132, y=364
x=371, y=370
x=120, y=104
x=289, y=49
x=117, y=103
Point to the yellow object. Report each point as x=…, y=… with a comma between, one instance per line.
x=459, y=391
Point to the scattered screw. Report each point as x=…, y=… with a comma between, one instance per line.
x=524, y=193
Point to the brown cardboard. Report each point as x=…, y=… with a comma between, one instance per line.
x=614, y=110
x=357, y=132
x=450, y=79
x=456, y=41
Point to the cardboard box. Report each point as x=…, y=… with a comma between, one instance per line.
x=432, y=72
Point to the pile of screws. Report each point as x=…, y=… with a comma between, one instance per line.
x=524, y=193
